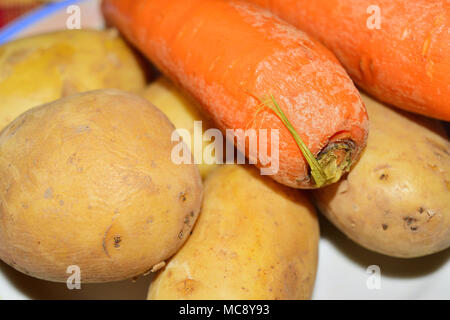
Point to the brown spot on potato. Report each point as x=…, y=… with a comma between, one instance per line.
x=385, y=226
x=187, y=286
x=75, y=160
x=71, y=159
x=48, y=194
x=384, y=176
x=82, y=128
x=409, y=220
x=180, y=235
x=182, y=196
x=409, y=223
x=117, y=241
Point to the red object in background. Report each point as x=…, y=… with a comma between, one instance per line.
x=9, y=12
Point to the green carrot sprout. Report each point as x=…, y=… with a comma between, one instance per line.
x=317, y=172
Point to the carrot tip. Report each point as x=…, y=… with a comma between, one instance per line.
x=336, y=160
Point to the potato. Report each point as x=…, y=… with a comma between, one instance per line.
x=88, y=181
x=396, y=200
x=44, y=68
x=181, y=111
x=254, y=239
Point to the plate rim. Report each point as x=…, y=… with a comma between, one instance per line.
x=10, y=31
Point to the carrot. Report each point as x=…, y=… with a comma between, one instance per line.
x=406, y=62
x=250, y=70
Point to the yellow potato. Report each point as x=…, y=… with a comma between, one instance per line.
x=44, y=68
x=396, y=200
x=181, y=111
x=254, y=239
x=88, y=181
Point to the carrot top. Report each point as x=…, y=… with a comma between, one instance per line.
x=324, y=170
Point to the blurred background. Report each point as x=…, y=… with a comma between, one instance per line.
x=12, y=9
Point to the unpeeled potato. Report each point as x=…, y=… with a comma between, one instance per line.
x=396, y=200
x=254, y=239
x=88, y=181
x=181, y=111
x=43, y=68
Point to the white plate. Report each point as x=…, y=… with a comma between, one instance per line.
x=343, y=265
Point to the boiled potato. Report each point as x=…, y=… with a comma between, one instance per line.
x=44, y=68
x=396, y=200
x=254, y=239
x=88, y=181
x=181, y=111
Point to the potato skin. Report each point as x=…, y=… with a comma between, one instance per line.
x=88, y=181
x=254, y=239
x=181, y=111
x=396, y=200
x=44, y=68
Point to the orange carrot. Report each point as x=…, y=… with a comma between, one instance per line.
x=398, y=51
x=233, y=58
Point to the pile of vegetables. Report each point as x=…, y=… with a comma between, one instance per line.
x=87, y=179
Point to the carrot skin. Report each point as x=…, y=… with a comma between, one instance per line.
x=406, y=62
x=226, y=54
